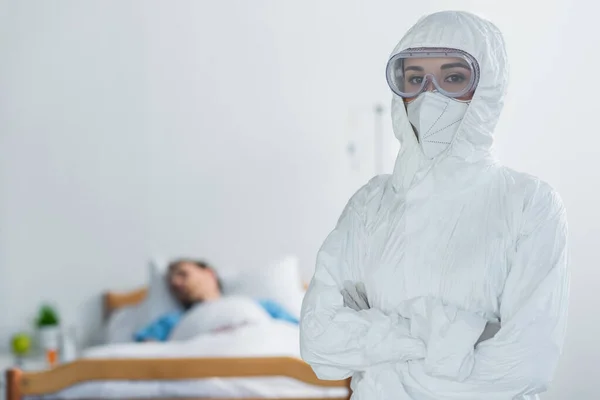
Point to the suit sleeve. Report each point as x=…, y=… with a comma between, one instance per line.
x=521, y=358
x=336, y=340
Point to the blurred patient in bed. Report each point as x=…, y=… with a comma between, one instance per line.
x=193, y=282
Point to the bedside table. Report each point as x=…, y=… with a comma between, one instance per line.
x=7, y=361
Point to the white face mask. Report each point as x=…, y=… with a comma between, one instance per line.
x=436, y=119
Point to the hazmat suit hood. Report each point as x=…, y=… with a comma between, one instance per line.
x=473, y=140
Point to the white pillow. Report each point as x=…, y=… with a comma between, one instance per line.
x=279, y=281
x=159, y=299
x=121, y=325
x=223, y=313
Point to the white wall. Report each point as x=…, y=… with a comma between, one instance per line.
x=214, y=129
x=219, y=128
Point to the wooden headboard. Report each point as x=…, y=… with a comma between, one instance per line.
x=115, y=300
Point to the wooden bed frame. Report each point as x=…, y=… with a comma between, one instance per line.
x=20, y=384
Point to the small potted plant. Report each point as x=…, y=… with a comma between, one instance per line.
x=48, y=325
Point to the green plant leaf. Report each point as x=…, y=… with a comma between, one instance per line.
x=47, y=316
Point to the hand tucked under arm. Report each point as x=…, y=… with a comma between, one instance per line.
x=338, y=341
x=490, y=330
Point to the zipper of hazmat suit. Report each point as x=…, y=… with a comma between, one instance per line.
x=421, y=261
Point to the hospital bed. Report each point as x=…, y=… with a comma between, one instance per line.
x=197, y=377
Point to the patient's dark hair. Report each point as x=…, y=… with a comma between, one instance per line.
x=198, y=263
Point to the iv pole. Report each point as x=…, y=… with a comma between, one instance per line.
x=378, y=139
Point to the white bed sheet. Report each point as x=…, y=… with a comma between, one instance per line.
x=270, y=339
x=272, y=387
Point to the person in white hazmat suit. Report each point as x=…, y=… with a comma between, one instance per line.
x=448, y=279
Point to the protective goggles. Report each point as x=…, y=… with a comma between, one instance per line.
x=451, y=72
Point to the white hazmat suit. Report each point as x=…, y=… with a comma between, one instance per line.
x=439, y=249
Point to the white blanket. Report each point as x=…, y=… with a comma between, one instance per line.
x=270, y=338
